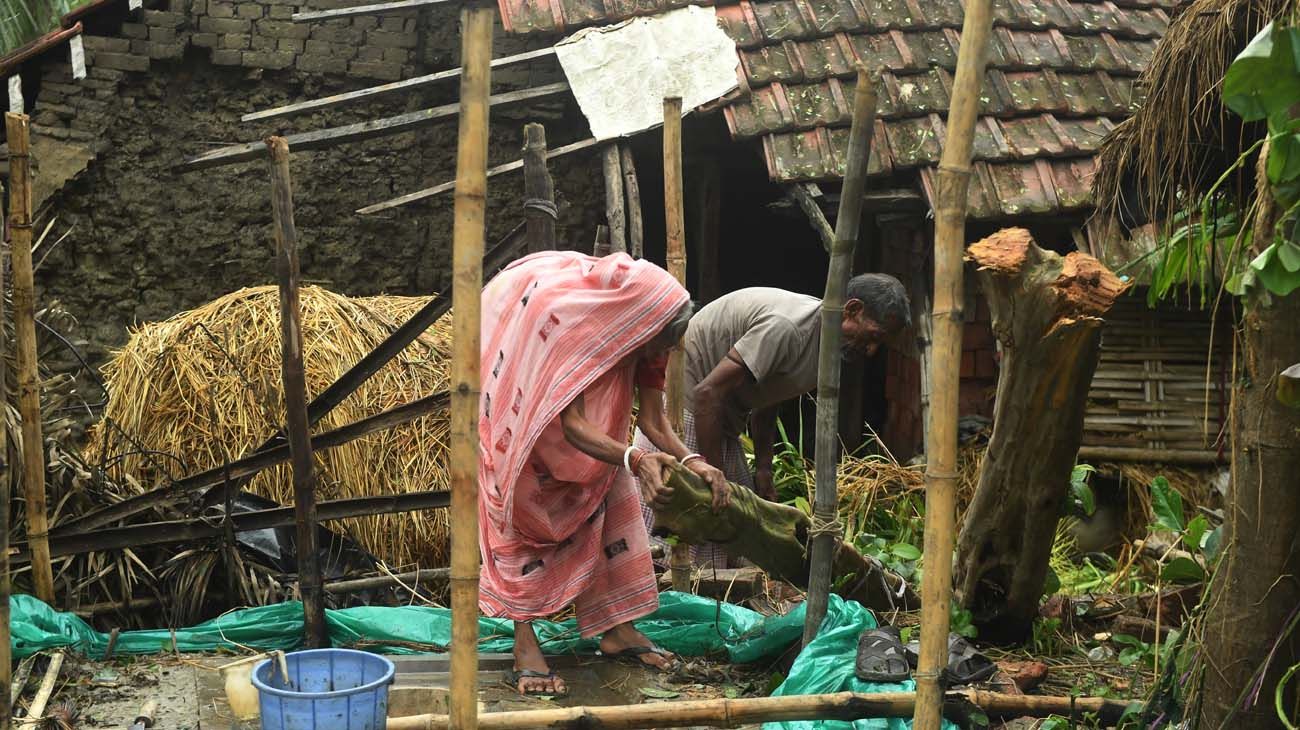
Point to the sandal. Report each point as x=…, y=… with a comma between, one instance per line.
x=515, y=676
x=881, y=656
x=634, y=654
x=965, y=664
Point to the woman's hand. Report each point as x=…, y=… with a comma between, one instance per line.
x=650, y=470
x=716, y=480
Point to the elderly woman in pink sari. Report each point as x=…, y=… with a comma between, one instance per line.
x=566, y=340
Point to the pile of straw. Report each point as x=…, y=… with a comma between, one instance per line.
x=203, y=388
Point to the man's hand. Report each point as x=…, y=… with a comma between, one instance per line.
x=763, y=485
x=716, y=480
x=650, y=470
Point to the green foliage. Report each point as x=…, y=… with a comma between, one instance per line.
x=961, y=622
x=23, y=21
x=1134, y=651
x=1167, y=505
x=1047, y=637
x=1080, y=493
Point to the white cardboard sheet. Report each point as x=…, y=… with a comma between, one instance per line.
x=620, y=74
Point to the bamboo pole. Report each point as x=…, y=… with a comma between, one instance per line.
x=632, y=188
x=6, y=649
x=467, y=277
x=679, y=561
x=946, y=322
x=613, y=173
x=731, y=713
x=539, y=191
x=17, y=133
x=825, y=532
x=295, y=394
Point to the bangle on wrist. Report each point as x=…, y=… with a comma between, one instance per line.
x=692, y=457
x=627, y=457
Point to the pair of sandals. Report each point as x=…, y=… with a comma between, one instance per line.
x=882, y=657
x=631, y=655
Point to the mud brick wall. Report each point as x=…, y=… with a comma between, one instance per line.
x=145, y=240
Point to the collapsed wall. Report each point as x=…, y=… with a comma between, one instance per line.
x=145, y=240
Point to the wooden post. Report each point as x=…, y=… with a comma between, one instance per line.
x=295, y=394
x=6, y=650
x=679, y=561
x=825, y=533
x=613, y=172
x=708, y=180
x=632, y=189
x=941, y=428
x=539, y=191
x=467, y=287
x=17, y=134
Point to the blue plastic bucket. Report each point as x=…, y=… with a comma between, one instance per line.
x=328, y=689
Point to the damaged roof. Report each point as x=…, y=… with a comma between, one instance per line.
x=1060, y=76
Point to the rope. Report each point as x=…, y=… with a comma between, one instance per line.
x=542, y=204
x=823, y=527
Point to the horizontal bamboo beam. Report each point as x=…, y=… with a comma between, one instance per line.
x=324, y=138
x=36, y=47
x=202, y=528
x=731, y=713
x=1165, y=456
x=371, y=9
x=371, y=92
x=451, y=184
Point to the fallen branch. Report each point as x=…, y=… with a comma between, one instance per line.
x=775, y=538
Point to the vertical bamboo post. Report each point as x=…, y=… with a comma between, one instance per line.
x=824, y=534
x=600, y=246
x=467, y=287
x=6, y=651
x=613, y=172
x=707, y=179
x=679, y=561
x=632, y=189
x=946, y=323
x=539, y=191
x=295, y=394
x=17, y=133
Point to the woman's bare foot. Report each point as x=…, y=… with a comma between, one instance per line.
x=623, y=637
x=530, y=661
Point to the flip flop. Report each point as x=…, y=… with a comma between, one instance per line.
x=881, y=656
x=965, y=664
x=633, y=654
x=514, y=676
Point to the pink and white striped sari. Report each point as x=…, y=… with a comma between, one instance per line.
x=555, y=525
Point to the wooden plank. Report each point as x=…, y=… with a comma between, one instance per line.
x=203, y=528
x=372, y=9
x=632, y=189
x=539, y=191
x=324, y=138
x=451, y=184
x=612, y=171
x=366, y=94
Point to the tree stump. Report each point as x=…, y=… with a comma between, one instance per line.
x=1047, y=316
x=775, y=538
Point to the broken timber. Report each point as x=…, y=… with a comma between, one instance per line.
x=382, y=89
x=319, y=407
x=1047, y=311
x=775, y=538
x=803, y=195
x=323, y=138
x=372, y=9
x=451, y=184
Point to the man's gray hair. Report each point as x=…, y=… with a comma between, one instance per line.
x=676, y=327
x=883, y=299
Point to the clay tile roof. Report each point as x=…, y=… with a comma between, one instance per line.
x=1060, y=75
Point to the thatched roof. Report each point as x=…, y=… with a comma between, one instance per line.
x=1174, y=148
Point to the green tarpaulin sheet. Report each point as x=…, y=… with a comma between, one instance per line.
x=685, y=624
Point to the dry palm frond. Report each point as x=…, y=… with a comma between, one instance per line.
x=1166, y=156
x=203, y=388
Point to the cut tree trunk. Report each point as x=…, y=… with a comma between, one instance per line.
x=775, y=538
x=1256, y=590
x=1047, y=314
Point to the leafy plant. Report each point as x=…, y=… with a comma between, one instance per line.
x=1047, y=637
x=961, y=622
x=1084, y=501
x=1134, y=651
x=1195, y=534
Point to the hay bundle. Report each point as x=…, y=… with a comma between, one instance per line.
x=203, y=388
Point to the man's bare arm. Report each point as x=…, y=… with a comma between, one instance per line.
x=710, y=401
